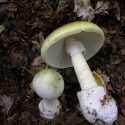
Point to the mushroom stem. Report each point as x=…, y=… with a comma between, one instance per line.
x=48, y=108
x=50, y=103
x=74, y=49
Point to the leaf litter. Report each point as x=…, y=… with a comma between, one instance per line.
x=84, y=9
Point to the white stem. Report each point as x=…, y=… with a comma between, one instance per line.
x=74, y=49
x=49, y=108
x=50, y=102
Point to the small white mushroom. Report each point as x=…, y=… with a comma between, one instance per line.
x=49, y=85
x=72, y=45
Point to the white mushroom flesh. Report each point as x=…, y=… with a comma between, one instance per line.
x=97, y=106
x=74, y=49
x=49, y=108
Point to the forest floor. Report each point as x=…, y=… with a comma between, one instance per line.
x=23, y=27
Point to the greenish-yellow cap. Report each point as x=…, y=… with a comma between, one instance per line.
x=53, y=48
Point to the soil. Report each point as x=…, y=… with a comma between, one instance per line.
x=23, y=27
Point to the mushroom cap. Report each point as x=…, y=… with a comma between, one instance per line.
x=53, y=48
x=48, y=84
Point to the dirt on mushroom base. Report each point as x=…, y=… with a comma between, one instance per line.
x=26, y=24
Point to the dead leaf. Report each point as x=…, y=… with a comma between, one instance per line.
x=37, y=65
x=73, y=119
x=30, y=91
x=25, y=118
x=3, y=1
x=12, y=119
x=16, y=58
x=123, y=52
x=1, y=102
x=25, y=115
x=79, y=108
x=110, y=88
x=61, y=6
x=6, y=102
x=102, y=7
x=105, y=30
x=117, y=13
x=11, y=7
x=36, y=45
x=123, y=111
x=120, y=120
x=37, y=61
x=84, y=9
x=115, y=59
x=2, y=28
x=38, y=3
x=41, y=37
x=123, y=88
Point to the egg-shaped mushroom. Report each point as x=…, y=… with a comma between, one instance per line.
x=49, y=85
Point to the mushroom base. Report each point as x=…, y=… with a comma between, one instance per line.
x=97, y=107
x=49, y=108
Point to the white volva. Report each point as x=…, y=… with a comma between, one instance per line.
x=49, y=108
x=97, y=107
x=92, y=100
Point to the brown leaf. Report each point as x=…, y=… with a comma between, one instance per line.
x=61, y=5
x=11, y=7
x=6, y=102
x=38, y=3
x=84, y=9
x=123, y=52
x=25, y=118
x=110, y=88
x=103, y=7
x=120, y=120
x=16, y=58
x=3, y=1
x=11, y=120
x=37, y=61
x=123, y=88
x=37, y=65
x=73, y=119
x=117, y=11
x=2, y=28
x=115, y=59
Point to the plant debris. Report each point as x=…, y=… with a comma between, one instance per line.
x=2, y=28
x=84, y=9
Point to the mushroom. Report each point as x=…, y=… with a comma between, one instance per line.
x=71, y=45
x=49, y=85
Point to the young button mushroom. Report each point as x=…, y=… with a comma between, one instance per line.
x=73, y=44
x=49, y=85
